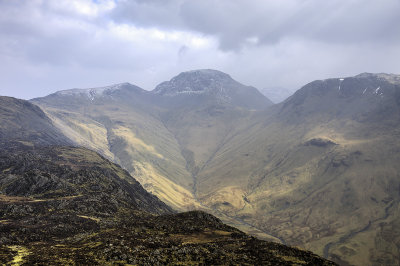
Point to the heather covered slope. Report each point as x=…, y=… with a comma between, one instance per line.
x=64, y=205
x=76, y=176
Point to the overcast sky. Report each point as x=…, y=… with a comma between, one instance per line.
x=48, y=45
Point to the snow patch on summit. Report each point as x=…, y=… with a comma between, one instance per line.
x=92, y=93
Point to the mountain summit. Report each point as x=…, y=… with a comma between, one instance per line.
x=213, y=85
x=195, y=82
x=367, y=96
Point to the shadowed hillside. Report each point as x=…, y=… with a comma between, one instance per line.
x=21, y=120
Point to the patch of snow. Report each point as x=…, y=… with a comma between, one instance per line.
x=340, y=81
x=186, y=92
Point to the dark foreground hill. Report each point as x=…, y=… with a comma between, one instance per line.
x=64, y=205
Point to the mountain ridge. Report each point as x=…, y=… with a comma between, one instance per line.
x=270, y=168
x=100, y=91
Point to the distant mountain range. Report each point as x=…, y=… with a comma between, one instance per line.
x=277, y=94
x=318, y=170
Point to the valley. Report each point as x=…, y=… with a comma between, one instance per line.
x=63, y=204
x=298, y=171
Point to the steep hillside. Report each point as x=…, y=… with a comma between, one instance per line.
x=22, y=121
x=121, y=123
x=158, y=135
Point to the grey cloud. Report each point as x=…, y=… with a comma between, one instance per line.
x=45, y=47
x=328, y=21
x=163, y=14
x=40, y=35
x=235, y=21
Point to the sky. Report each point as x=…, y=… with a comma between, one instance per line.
x=51, y=45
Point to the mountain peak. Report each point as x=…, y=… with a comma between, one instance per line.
x=194, y=82
x=206, y=73
x=212, y=86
